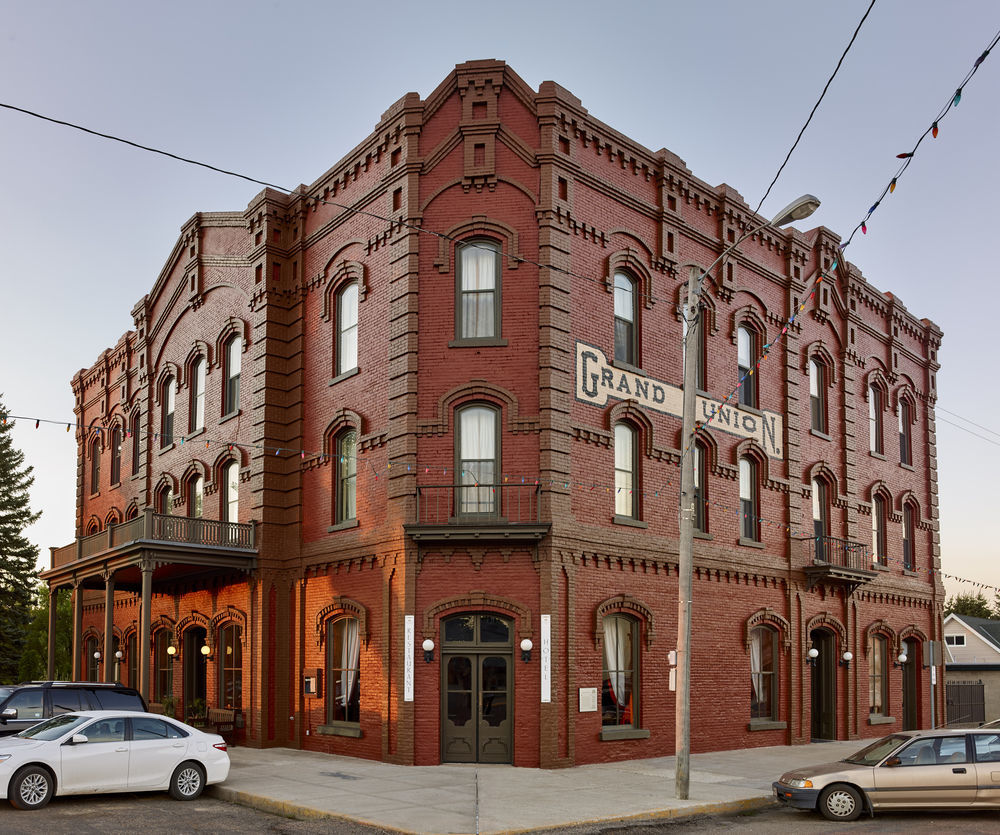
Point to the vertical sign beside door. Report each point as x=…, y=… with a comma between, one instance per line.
x=408, y=658
x=546, y=658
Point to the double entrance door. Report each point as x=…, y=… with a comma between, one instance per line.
x=476, y=692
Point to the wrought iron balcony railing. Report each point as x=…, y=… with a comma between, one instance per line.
x=841, y=553
x=478, y=504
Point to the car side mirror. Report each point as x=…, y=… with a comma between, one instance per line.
x=8, y=713
x=893, y=761
x=77, y=739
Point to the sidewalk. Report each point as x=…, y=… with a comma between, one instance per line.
x=502, y=798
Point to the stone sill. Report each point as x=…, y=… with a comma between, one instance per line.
x=615, y=734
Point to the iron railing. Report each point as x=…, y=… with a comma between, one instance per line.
x=464, y=504
x=843, y=553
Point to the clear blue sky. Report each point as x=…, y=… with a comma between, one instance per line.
x=282, y=90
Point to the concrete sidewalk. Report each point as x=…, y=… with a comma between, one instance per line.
x=502, y=798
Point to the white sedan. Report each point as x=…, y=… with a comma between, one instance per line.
x=96, y=751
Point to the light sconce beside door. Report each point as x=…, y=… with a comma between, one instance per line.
x=206, y=650
x=846, y=659
x=811, y=656
x=526, y=647
x=428, y=648
x=903, y=658
x=172, y=652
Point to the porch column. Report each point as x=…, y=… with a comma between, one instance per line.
x=50, y=669
x=109, y=625
x=145, y=620
x=77, y=629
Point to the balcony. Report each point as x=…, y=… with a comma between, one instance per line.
x=179, y=544
x=831, y=559
x=488, y=512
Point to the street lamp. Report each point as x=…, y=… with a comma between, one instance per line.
x=796, y=210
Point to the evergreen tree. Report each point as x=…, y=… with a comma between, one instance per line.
x=973, y=604
x=34, y=658
x=18, y=557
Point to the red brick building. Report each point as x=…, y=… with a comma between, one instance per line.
x=369, y=439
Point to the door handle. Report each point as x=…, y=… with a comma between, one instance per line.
x=958, y=771
x=120, y=749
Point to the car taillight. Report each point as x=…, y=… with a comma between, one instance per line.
x=221, y=746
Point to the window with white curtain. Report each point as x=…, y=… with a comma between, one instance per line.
x=343, y=670
x=878, y=680
x=700, y=488
x=625, y=319
x=478, y=459
x=763, y=673
x=619, y=693
x=478, y=280
x=347, y=329
x=625, y=471
x=231, y=492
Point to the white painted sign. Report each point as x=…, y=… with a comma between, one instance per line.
x=597, y=381
x=672, y=679
x=546, y=658
x=408, y=658
x=588, y=700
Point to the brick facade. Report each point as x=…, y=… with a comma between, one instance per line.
x=570, y=203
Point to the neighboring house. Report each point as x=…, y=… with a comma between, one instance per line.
x=972, y=655
x=433, y=399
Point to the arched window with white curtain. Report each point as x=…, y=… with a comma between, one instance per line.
x=619, y=692
x=478, y=459
x=478, y=305
x=343, y=670
x=763, y=673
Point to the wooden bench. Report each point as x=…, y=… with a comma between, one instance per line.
x=223, y=719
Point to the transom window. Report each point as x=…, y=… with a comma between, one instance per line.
x=746, y=348
x=625, y=471
x=955, y=640
x=626, y=349
x=619, y=694
x=478, y=290
x=233, y=353
x=478, y=459
x=347, y=329
x=343, y=657
x=763, y=673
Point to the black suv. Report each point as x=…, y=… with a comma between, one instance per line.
x=24, y=705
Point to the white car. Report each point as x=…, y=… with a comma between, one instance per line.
x=97, y=751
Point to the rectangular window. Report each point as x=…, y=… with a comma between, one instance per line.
x=619, y=696
x=625, y=318
x=347, y=477
x=746, y=356
x=477, y=460
x=905, y=440
x=955, y=640
x=624, y=470
x=700, y=490
x=763, y=674
x=817, y=396
x=163, y=669
x=234, y=351
x=197, y=418
x=749, y=510
x=136, y=444
x=167, y=413
x=875, y=420
x=116, y=455
x=908, y=537
x=343, y=670
x=347, y=329
x=230, y=666
x=878, y=530
x=878, y=681
x=479, y=291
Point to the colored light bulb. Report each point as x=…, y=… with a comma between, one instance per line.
x=892, y=185
x=934, y=130
x=864, y=229
x=958, y=97
x=904, y=156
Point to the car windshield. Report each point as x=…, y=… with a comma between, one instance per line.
x=53, y=728
x=877, y=751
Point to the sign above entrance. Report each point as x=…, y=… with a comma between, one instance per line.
x=597, y=381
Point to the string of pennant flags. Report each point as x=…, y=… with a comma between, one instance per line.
x=516, y=480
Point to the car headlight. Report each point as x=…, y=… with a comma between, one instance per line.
x=797, y=783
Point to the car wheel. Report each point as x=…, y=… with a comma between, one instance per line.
x=31, y=788
x=840, y=802
x=187, y=781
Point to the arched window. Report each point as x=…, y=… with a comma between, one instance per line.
x=477, y=458
x=231, y=492
x=626, y=319
x=230, y=644
x=95, y=465
x=116, y=455
x=347, y=329
x=905, y=438
x=619, y=693
x=817, y=395
x=136, y=443
x=747, y=350
x=343, y=670
x=909, y=523
x=165, y=500
x=821, y=520
x=878, y=678
x=626, y=470
x=763, y=673
x=196, y=417
x=875, y=405
x=93, y=527
x=167, y=412
x=196, y=496
x=700, y=487
x=478, y=307
x=879, y=519
x=232, y=353
x=749, y=500
x=346, y=489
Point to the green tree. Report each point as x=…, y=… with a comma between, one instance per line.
x=973, y=604
x=17, y=556
x=34, y=658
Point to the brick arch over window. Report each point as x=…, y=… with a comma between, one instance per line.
x=238, y=454
x=195, y=618
x=751, y=449
x=627, y=605
x=749, y=316
x=877, y=378
x=342, y=606
x=478, y=601
x=91, y=632
x=93, y=526
x=336, y=278
x=910, y=631
x=769, y=617
x=232, y=327
x=96, y=434
x=230, y=615
x=341, y=420
x=630, y=262
x=199, y=349
x=908, y=393
x=818, y=351
x=478, y=226
x=879, y=627
x=628, y=411
x=132, y=511
x=195, y=467
x=478, y=390
x=824, y=620
x=708, y=442
x=710, y=316
x=821, y=471
x=167, y=369
x=907, y=497
x=163, y=622
x=113, y=518
x=167, y=480
x=880, y=488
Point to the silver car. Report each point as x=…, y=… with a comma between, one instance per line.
x=910, y=770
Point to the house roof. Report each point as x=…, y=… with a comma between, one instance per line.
x=988, y=630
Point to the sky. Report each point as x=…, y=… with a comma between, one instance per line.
x=281, y=91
